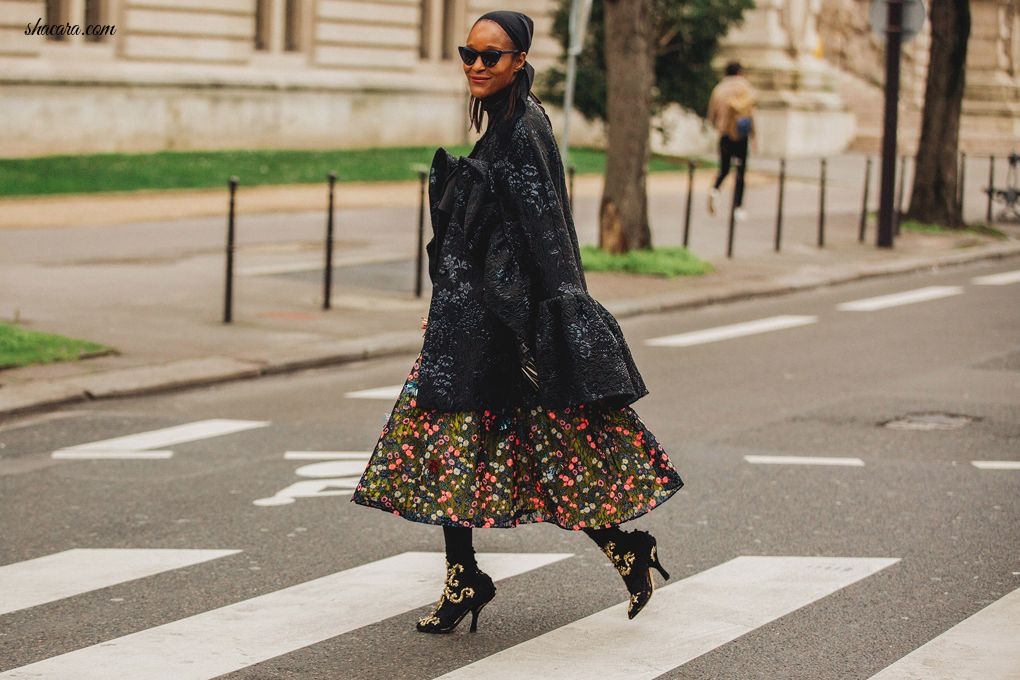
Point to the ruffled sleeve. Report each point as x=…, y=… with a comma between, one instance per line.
x=535, y=283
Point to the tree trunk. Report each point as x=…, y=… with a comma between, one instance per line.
x=630, y=76
x=934, y=196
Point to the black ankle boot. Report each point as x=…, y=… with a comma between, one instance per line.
x=467, y=589
x=634, y=555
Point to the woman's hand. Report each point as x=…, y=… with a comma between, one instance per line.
x=424, y=324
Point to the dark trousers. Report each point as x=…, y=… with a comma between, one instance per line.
x=735, y=152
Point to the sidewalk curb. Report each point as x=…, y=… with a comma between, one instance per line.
x=191, y=373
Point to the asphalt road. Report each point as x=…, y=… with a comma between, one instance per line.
x=947, y=532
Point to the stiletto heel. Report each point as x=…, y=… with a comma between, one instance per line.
x=653, y=561
x=474, y=616
x=463, y=593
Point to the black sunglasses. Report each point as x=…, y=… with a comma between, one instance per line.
x=489, y=57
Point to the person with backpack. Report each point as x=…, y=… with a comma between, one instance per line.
x=731, y=111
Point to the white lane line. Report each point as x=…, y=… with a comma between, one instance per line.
x=997, y=279
x=327, y=455
x=804, y=460
x=390, y=392
x=73, y=572
x=897, y=299
x=736, y=330
x=228, y=639
x=996, y=464
x=983, y=647
x=141, y=445
x=95, y=454
x=682, y=622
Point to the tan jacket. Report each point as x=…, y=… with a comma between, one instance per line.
x=731, y=90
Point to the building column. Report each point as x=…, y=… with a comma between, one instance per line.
x=991, y=104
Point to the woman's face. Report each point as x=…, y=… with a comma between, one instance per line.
x=487, y=80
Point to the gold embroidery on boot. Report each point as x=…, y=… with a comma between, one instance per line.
x=623, y=563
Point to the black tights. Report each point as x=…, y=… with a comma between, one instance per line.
x=459, y=549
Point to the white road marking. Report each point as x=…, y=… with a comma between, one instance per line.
x=897, y=299
x=997, y=279
x=95, y=454
x=326, y=455
x=804, y=460
x=338, y=475
x=982, y=647
x=996, y=464
x=73, y=572
x=228, y=639
x=736, y=330
x=390, y=392
x=682, y=621
x=141, y=445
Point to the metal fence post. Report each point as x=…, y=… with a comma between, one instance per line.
x=821, y=206
x=779, y=208
x=991, y=188
x=571, y=171
x=960, y=181
x=419, y=264
x=228, y=293
x=690, y=199
x=864, y=202
x=899, y=195
x=733, y=224
x=328, y=272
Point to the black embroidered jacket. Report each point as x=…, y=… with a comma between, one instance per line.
x=506, y=275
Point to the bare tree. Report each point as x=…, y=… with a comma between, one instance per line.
x=630, y=77
x=934, y=196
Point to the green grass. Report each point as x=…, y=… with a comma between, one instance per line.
x=925, y=228
x=21, y=347
x=97, y=173
x=658, y=261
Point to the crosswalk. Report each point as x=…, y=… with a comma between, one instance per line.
x=686, y=619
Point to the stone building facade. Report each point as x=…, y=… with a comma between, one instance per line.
x=216, y=74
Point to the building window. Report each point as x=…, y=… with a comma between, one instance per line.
x=442, y=25
x=56, y=15
x=95, y=15
x=263, y=9
x=292, y=26
x=280, y=25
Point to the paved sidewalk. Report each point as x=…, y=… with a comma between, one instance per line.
x=143, y=273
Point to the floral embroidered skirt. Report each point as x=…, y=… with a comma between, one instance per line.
x=583, y=466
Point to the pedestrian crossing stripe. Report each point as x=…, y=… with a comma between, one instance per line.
x=146, y=444
x=1002, y=279
x=73, y=572
x=983, y=647
x=682, y=622
x=230, y=638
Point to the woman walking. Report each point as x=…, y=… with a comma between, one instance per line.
x=518, y=408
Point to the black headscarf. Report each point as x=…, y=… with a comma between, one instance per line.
x=520, y=28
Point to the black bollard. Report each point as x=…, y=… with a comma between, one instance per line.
x=690, y=199
x=960, y=180
x=419, y=260
x=571, y=171
x=733, y=223
x=899, y=194
x=991, y=188
x=864, y=202
x=228, y=293
x=779, y=208
x=821, y=206
x=328, y=272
